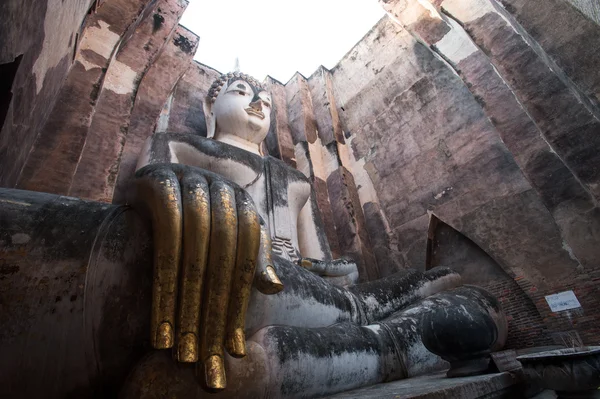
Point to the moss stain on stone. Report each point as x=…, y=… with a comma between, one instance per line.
x=159, y=20
x=184, y=44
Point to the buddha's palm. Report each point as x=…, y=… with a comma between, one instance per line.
x=210, y=246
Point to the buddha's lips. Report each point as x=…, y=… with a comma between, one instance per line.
x=252, y=111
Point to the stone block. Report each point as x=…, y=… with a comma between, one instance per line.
x=154, y=89
x=186, y=112
x=279, y=139
x=329, y=127
x=350, y=223
x=437, y=386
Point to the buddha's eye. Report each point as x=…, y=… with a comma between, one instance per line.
x=242, y=93
x=266, y=101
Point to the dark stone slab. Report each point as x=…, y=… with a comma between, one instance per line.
x=437, y=386
x=350, y=223
x=567, y=36
x=523, y=220
x=328, y=221
x=430, y=29
x=53, y=159
x=154, y=89
x=300, y=110
x=186, y=113
x=23, y=32
x=572, y=372
x=383, y=240
x=75, y=285
x=98, y=167
x=329, y=127
x=566, y=123
x=279, y=139
x=506, y=360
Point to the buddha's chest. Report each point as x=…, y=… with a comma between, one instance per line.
x=279, y=192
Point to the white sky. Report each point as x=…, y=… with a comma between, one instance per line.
x=278, y=37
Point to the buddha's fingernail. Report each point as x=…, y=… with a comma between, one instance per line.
x=214, y=370
x=305, y=263
x=236, y=343
x=164, y=336
x=275, y=282
x=187, y=348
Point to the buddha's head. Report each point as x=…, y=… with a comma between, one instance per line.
x=238, y=111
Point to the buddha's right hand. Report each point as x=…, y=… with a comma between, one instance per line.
x=210, y=246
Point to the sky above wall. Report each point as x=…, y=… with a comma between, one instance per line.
x=278, y=37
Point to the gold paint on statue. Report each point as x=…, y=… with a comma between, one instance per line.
x=276, y=284
x=187, y=348
x=196, y=234
x=164, y=336
x=245, y=266
x=159, y=192
x=214, y=373
x=212, y=231
x=221, y=263
x=236, y=342
x=305, y=263
x=266, y=279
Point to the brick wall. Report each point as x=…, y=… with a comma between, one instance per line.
x=449, y=247
x=569, y=326
x=525, y=325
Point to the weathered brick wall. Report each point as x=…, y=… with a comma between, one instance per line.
x=525, y=325
x=79, y=150
x=37, y=42
x=448, y=247
x=461, y=113
x=583, y=323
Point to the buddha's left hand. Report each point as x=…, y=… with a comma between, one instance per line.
x=210, y=246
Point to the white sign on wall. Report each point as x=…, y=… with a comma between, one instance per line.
x=562, y=301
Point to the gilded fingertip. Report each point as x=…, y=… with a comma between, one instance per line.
x=164, y=336
x=276, y=284
x=305, y=263
x=214, y=370
x=187, y=348
x=236, y=343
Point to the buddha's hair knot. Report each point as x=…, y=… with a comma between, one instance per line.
x=218, y=84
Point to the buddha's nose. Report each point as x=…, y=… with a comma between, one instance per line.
x=257, y=105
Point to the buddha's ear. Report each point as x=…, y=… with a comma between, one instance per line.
x=211, y=123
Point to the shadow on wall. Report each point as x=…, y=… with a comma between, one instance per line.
x=8, y=72
x=448, y=247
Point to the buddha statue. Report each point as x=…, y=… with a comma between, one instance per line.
x=238, y=118
x=310, y=317
x=244, y=299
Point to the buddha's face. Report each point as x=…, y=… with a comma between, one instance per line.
x=242, y=110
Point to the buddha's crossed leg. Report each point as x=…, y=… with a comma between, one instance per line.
x=347, y=343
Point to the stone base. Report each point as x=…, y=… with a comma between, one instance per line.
x=589, y=394
x=465, y=368
x=437, y=386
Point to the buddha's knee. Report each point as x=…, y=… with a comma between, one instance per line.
x=461, y=326
x=464, y=327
